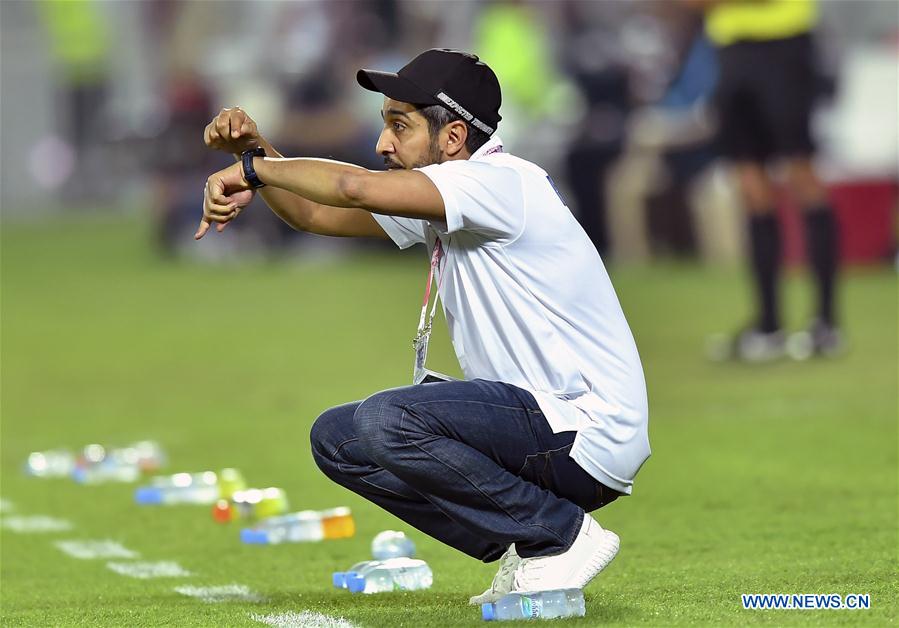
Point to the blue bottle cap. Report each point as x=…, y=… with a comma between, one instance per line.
x=338, y=579
x=79, y=474
x=356, y=584
x=488, y=612
x=148, y=495
x=256, y=537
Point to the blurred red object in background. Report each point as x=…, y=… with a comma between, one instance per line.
x=866, y=214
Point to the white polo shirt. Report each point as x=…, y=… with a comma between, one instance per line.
x=528, y=302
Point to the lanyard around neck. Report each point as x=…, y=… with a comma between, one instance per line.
x=435, y=263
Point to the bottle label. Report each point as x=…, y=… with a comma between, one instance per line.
x=398, y=579
x=530, y=608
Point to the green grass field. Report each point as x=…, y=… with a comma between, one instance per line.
x=780, y=478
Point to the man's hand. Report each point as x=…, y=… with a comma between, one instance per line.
x=232, y=131
x=226, y=193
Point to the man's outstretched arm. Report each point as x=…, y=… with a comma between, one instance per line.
x=393, y=192
x=233, y=131
x=331, y=184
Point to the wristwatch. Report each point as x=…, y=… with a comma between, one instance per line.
x=249, y=173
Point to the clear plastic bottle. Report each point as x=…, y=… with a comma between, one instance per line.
x=536, y=605
x=395, y=574
x=148, y=455
x=339, y=578
x=189, y=488
x=252, y=503
x=392, y=544
x=97, y=464
x=54, y=463
x=303, y=526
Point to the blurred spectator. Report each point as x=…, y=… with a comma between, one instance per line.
x=592, y=58
x=514, y=38
x=79, y=46
x=182, y=161
x=660, y=180
x=671, y=217
x=611, y=94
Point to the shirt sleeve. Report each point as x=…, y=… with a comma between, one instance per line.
x=479, y=197
x=403, y=231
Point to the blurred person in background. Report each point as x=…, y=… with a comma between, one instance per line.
x=180, y=163
x=516, y=38
x=551, y=422
x=681, y=131
x=593, y=59
x=765, y=95
x=78, y=33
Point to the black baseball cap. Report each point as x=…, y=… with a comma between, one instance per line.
x=453, y=79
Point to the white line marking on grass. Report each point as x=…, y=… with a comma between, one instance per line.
x=6, y=506
x=306, y=619
x=35, y=524
x=88, y=550
x=160, y=569
x=224, y=593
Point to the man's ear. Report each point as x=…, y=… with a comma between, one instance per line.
x=456, y=135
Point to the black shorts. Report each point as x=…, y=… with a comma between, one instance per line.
x=764, y=98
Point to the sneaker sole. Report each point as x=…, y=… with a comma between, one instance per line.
x=600, y=559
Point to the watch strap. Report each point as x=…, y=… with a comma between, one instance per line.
x=249, y=172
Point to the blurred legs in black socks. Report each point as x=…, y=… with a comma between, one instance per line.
x=764, y=248
x=821, y=245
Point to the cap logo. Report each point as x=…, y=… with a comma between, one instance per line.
x=464, y=113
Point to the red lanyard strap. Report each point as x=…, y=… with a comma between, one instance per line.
x=435, y=267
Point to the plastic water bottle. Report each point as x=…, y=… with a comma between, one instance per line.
x=392, y=544
x=536, y=605
x=98, y=464
x=148, y=454
x=252, y=503
x=339, y=578
x=230, y=481
x=303, y=526
x=395, y=574
x=190, y=488
x=55, y=463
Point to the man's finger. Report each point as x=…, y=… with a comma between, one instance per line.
x=219, y=210
x=215, y=202
x=238, y=118
x=248, y=127
x=202, y=229
x=223, y=124
x=220, y=218
x=219, y=198
x=215, y=189
x=213, y=133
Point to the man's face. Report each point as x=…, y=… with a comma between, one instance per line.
x=405, y=141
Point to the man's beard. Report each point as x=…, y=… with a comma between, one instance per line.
x=432, y=157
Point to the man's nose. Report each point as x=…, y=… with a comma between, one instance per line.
x=384, y=145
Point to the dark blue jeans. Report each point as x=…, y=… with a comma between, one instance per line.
x=473, y=464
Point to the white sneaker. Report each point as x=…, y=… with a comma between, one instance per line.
x=749, y=345
x=592, y=550
x=502, y=581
